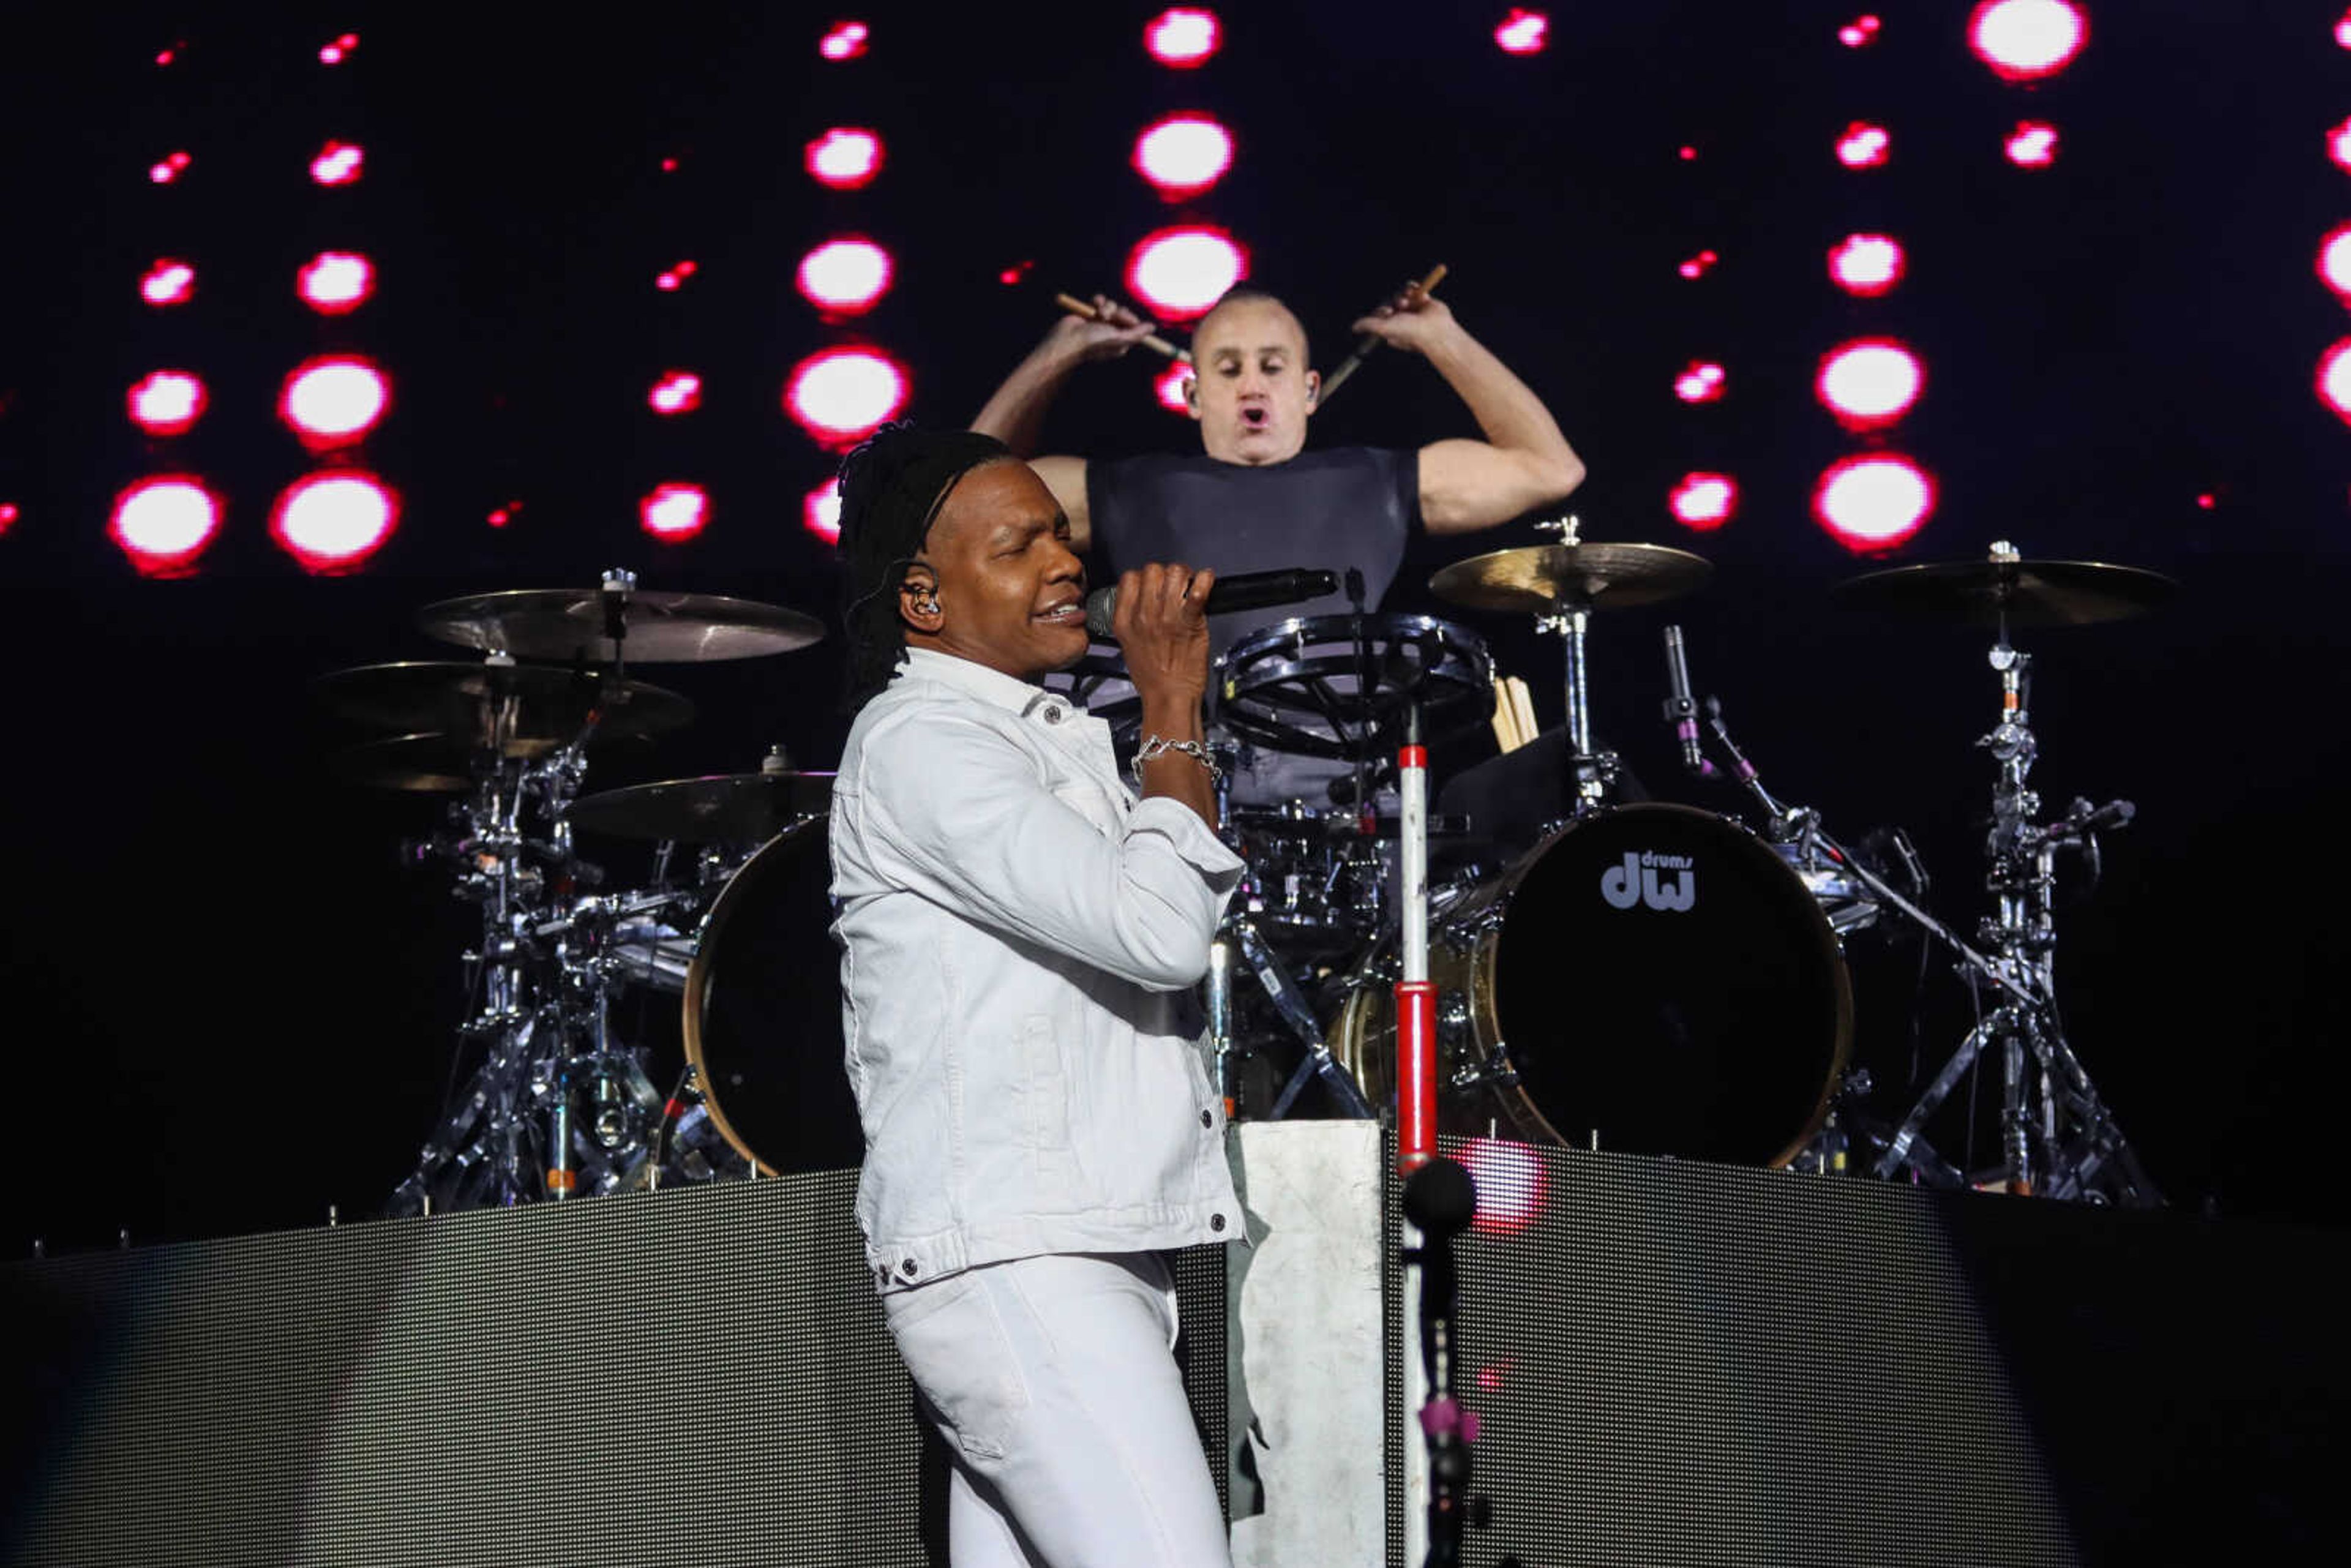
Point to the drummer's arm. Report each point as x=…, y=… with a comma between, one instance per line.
x=1015, y=415
x=1523, y=462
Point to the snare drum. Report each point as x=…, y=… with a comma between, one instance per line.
x=1650, y=978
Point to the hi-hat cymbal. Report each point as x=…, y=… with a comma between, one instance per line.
x=564, y=624
x=725, y=807
x=1543, y=580
x=2018, y=592
x=455, y=698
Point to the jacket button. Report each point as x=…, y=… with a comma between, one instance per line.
x=1216, y=1222
x=1052, y=713
x=907, y=1268
x=1208, y=1118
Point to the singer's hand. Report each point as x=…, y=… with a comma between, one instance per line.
x=1162, y=626
x=1412, y=320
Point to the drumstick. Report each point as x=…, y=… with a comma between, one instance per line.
x=1151, y=340
x=1506, y=718
x=1367, y=342
x=1522, y=700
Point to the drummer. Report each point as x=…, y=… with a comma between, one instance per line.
x=1256, y=499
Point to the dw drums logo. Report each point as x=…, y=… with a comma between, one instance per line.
x=1637, y=881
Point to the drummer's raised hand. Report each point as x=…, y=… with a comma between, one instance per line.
x=1410, y=321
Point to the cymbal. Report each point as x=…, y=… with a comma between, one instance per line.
x=564, y=623
x=453, y=697
x=425, y=764
x=1545, y=579
x=2024, y=592
x=725, y=807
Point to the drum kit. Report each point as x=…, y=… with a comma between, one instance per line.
x=1632, y=976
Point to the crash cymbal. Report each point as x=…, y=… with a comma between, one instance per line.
x=563, y=624
x=455, y=698
x=426, y=763
x=2020, y=592
x=725, y=807
x=1544, y=579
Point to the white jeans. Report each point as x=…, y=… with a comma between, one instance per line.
x=1072, y=1444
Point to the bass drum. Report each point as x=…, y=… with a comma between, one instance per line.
x=1649, y=979
x=763, y=1012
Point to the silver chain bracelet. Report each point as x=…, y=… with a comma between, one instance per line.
x=1156, y=746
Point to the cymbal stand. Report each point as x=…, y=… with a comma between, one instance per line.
x=2072, y=1147
x=1589, y=775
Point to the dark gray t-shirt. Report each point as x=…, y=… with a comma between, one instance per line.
x=1352, y=505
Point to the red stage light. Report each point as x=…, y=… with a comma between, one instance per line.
x=1699, y=264
x=1167, y=386
x=1701, y=381
x=840, y=396
x=1183, y=154
x=844, y=41
x=2026, y=40
x=845, y=276
x=1509, y=1182
x=1181, y=273
x=171, y=168
x=845, y=158
x=336, y=282
x=1868, y=265
x=1183, y=36
x=2032, y=144
x=2333, y=382
x=1869, y=383
x=1689, y=153
x=820, y=511
x=2334, y=261
x=1704, y=501
x=332, y=522
x=2343, y=29
x=672, y=513
x=677, y=391
x=165, y=402
x=1857, y=32
x=339, y=51
x=338, y=163
x=1872, y=502
x=1523, y=32
x=169, y=282
x=334, y=400
x=2338, y=145
x=669, y=281
x=8, y=516
x=164, y=523
x=1863, y=146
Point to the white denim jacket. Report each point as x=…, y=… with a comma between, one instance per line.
x=1017, y=932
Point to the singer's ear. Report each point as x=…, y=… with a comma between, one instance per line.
x=1314, y=386
x=918, y=600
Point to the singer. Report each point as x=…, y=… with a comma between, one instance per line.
x=1018, y=933
x=1256, y=499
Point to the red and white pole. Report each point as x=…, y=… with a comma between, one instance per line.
x=1415, y=995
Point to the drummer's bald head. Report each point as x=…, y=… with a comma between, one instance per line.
x=1267, y=302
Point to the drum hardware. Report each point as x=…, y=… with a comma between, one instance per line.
x=1562, y=585
x=558, y=1103
x=1291, y=1004
x=2058, y=1137
x=1329, y=686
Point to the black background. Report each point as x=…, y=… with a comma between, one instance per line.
x=223, y=1005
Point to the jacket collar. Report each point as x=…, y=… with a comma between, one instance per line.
x=973, y=679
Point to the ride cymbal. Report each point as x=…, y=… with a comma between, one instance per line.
x=1543, y=580
x=564, y=624
x=1988, y=593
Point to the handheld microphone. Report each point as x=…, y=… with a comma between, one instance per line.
x=1246, y=591
x=1681, y=711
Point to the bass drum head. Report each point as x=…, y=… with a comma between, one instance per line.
x=1665, y=984
x=763, y=1012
